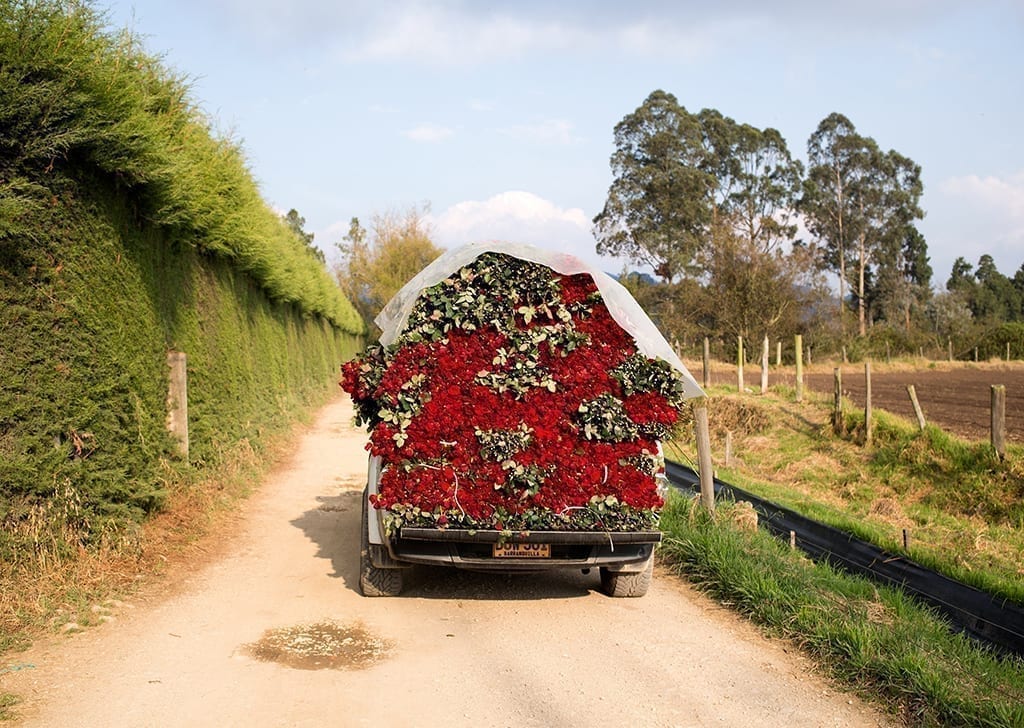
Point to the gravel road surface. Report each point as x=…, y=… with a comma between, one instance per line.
x=273, y=632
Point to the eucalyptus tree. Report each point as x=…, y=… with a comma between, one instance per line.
x=768, y=182
x=902, y=283
x=888, y=202
x=836, y=165
x=757, y=181
x=858, y=201
x=659, y=208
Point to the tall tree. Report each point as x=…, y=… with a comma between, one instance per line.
x=658, y=207
x=888, y=201
x=1018, y=283
x=858, y=201
x=902, y=283
x=376, y=264
x=767, y=186
x=961, y=278
x=997, y=297
x=836, y=156
x=297, y=223
x=757, y=181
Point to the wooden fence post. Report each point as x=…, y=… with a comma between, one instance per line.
x=975, y=353
x=798, y=343
x=177, y=401
x=739, y=363
x=764, y=365
x=917, y=406
x=707, y=362
x=707, y=475
x=1007, y=351
x=999, y=419
x=837, y=401
x=778, y=353
x=869, y=425
x=949, y=349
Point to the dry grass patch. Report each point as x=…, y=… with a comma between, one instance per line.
x=57, y=587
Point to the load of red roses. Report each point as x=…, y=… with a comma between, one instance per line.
x=513, y=400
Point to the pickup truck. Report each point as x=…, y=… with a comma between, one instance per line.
x=516, y=403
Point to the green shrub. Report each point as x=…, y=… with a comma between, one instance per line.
x=79, y=103
x=992, y=342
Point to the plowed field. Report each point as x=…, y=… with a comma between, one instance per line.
x=955, y=399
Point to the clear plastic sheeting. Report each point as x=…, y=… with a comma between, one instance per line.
x=621, y=304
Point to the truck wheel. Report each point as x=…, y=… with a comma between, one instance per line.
x=374, y=582
x=627, y=584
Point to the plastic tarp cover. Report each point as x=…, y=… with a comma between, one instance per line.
x=621, y=304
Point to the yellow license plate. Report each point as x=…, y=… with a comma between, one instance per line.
x=522, y=551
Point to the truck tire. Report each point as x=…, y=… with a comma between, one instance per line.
x=627, y=584
x=374, y=582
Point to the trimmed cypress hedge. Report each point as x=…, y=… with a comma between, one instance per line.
x=127, y=229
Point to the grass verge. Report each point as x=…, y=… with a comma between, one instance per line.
x=962, y=509
x=876, y=640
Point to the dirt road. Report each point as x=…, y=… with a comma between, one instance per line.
x=458, y=649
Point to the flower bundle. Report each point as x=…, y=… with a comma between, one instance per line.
x=513, y=400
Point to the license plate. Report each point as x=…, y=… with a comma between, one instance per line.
x=522, y=550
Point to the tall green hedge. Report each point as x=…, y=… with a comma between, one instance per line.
x=128, y=229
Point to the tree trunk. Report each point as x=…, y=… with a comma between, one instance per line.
x=842, y=253
x=861, y=264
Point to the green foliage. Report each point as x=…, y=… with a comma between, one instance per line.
x=992, y=342
x=882, y=340
x=88, y=311
x=877, y=640
x=375, y=268
x=127, y=229
x=80, y=104
x=963, y=471
x=990, y=295
x=659, y=204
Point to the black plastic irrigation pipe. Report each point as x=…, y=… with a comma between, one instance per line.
x=978, y=614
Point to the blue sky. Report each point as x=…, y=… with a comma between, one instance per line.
x=499, y=115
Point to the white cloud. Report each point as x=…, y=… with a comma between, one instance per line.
x=978, y=215
x=522, y=217
x=429, y=133
x=452, y=37
x=1000, y=196
x=456, y=32
x=550, y=131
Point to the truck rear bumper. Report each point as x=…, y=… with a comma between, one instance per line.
x=614, y=551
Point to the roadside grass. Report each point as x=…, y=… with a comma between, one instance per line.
x=961, y=508
x=8, y=701
x=55, y=589
x=876, y=640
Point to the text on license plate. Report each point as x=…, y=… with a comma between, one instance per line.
x=522, y=550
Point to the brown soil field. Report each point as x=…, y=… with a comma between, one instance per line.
x=956, y=398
